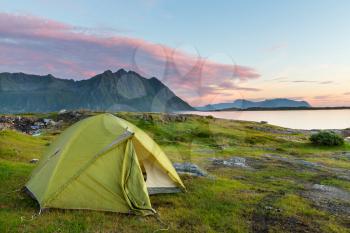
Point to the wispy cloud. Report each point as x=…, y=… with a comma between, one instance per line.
x=304, y=81
x=37, y=45
x=322, y=97
x=330, y=100
x=326, y=82
x=277, y=79
x=297, y=81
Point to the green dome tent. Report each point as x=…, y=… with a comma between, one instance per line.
x=102, y=163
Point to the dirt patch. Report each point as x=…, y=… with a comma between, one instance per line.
x=266, y=218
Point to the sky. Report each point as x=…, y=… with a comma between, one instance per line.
x=206, y=52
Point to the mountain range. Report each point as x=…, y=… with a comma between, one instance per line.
x=246, y=104
x=108, y=91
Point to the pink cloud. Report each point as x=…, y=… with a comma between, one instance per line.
x=328, y=100
x=36, y=45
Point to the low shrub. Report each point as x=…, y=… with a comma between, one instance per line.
x=326, y=138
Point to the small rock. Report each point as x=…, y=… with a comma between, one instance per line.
x=36, y=133
x=231, y=162
x=62, y=111
x=35, y=127
x=34, y=161
x=189, y=169
x=49, y=122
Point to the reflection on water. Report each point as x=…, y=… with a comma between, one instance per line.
x=297, y=119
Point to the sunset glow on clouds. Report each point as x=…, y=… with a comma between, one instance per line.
x=204, y=54
x=36, y=45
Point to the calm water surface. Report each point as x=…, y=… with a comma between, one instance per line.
x=297, y=119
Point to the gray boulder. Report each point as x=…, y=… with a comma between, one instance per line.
x=189, y=169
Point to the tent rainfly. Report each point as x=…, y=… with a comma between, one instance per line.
x=103, y=163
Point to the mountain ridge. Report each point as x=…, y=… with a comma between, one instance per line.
x=108, y=91
x=246, y=104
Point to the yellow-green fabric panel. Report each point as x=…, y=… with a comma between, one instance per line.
x=113, y=182
x=152, y=147
x=134, y=186
x=57, y=145
x=38, y=185
x=42, y=174
x=90, y=139
x=99, y=187
x=82, y=141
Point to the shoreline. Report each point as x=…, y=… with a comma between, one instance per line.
x=264, y=118
x=276, y=109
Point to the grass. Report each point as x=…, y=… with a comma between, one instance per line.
x=16, y=146
x=293, y=205
x=266, y=198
